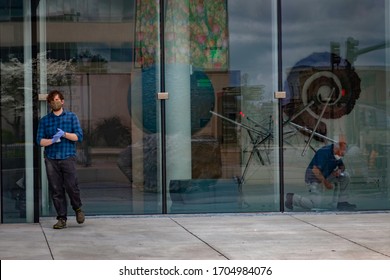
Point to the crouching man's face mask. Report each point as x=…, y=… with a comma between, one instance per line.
x=340, y=150
x=337, y=157
x=56, y=105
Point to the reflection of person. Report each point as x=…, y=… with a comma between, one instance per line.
x=325, y=171
x=58, y=132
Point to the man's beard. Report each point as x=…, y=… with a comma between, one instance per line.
x=56, y=106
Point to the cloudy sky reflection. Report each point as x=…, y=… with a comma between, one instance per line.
x=308, y=27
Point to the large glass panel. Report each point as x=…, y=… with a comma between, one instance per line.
x=220, y=76
x=87, y=50
x=335, y=58
x=16, y=112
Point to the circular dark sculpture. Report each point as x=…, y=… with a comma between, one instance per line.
x=315, y=83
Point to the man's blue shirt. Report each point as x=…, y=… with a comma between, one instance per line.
x=325, y=161
x=48, y=126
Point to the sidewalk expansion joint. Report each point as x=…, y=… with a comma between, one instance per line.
x=47, y=241
x=340, y=236
x=200, y=239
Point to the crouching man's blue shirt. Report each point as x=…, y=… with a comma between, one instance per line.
x=48, y=126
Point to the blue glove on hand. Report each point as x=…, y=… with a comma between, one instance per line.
x=57, y=136
x=56, y=139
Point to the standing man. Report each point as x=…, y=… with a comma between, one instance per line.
x=326, y=171
x=58, y=132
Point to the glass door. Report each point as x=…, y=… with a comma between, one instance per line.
x=336, y=69
x=103, y=56
x=221, y=115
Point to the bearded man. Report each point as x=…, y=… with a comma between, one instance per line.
x=58, y=132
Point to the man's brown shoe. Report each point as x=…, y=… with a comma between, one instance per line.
x=80, y=216
x=61, y=223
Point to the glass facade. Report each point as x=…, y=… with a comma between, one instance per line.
x=182, y=102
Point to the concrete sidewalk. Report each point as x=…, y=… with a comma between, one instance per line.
x=287, y=236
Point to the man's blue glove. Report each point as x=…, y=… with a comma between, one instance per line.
x=55, y=139
x=60, y=133
x=57, y=136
